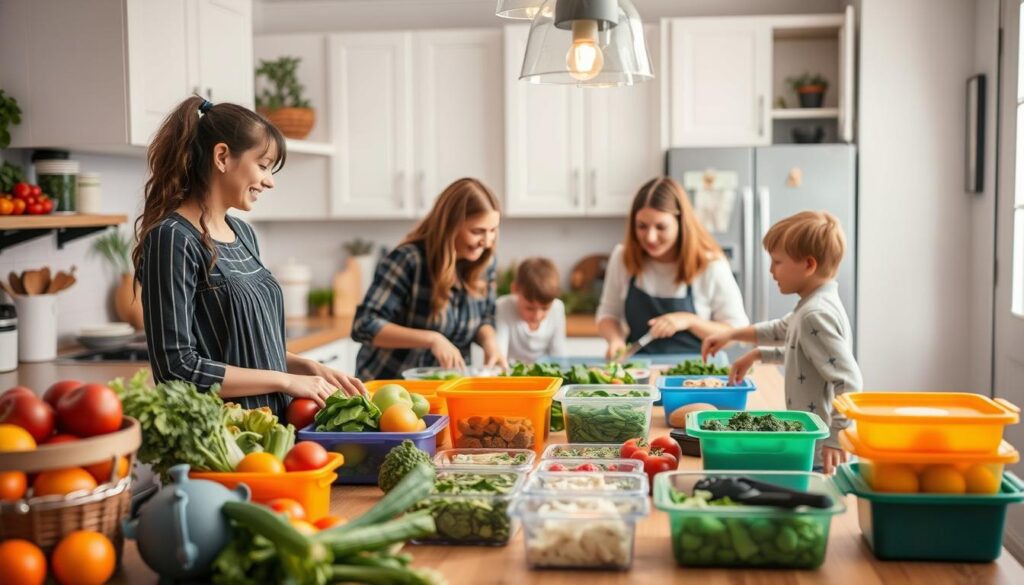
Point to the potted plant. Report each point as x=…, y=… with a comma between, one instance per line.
x=320, y=299
x=282, y=102
x=116, y=248
x=360, y=251
x=10, y=115
x=809, y=88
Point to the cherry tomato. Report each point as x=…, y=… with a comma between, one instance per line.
x=47, y=205
x=35, y=209
x=84, y=558
x=669, y=446
x=632, y=446
x=57, y=391
x=92, y=409
x=61, y=438
x=306, y=456
x=22, y=563
x=22, y=190
x=35, y=190
x=556, y=467
x=29, y=413
x=301, y=412
x=655, y=462
x=586, y=467
x=289, y=507
x=15, y=390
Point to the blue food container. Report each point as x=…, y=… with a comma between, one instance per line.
x=675, y=393
x=364, y=451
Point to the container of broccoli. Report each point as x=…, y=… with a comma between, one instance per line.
x=723, y=533
x=778, y=440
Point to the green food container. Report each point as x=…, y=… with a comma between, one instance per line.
x=777, y=451
x=607, y=413
x=931, y=527
x=748, y=536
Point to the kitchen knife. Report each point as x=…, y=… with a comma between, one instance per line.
x=633, y=348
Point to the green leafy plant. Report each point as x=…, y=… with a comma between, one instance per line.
x=321, y=297
x=285, y=90
x=505, y=279
x=10, y=175
x=358, y=247
x=10, y=115
x=807, y=80
x=116, y=248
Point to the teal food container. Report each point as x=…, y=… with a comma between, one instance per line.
x=777, y=451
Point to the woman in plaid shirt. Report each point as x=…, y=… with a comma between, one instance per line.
x=434, y=294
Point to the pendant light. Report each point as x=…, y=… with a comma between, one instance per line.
x=588, y=43
x=518, y=9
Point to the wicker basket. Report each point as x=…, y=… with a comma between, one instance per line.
x=292, y=122
x=46, y=520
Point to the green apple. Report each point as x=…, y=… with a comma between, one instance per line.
x=391, y=394
x=420, y=405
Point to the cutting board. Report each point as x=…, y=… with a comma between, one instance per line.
x=347, y=286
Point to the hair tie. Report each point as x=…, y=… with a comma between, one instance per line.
x=205, y=106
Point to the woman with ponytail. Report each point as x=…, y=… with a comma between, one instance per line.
x=213, y=312
x=434, y=294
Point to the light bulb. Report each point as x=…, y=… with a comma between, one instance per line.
x=585, y=58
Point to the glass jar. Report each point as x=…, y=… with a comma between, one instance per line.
x=59, y=180
x=88, y=200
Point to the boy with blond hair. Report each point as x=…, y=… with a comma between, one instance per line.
x=531, y=320
x=815, y=340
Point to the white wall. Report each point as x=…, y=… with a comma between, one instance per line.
x=914, y=298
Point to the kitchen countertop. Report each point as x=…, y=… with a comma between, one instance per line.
x=848, y=558
x=581, y=326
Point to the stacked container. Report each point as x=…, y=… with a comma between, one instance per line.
x=929, y=461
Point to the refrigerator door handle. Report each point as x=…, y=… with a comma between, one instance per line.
x=764, y=215
x=748, y=249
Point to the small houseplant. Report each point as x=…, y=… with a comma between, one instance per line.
x=320, y=299
x=116, y=248
x=809, y=88
x=10, y=115
x=281, y=99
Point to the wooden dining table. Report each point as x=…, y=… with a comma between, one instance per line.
x=849, y=559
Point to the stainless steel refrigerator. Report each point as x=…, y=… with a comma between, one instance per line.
x=741, y=192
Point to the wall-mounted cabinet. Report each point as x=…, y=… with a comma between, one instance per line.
x=105, y=73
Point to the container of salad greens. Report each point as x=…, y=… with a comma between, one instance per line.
x=708, y=532
x=582, y=451
x=518, y=460
x=607, y=413
x=470, y=506
x=445, y=374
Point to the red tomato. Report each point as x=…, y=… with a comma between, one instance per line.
x=35, y=209
x=301, y=412
x=13, y=391
x=22, y=190
x=29, y=413
x=35, y=190
x=47, y=205
x=655, y=463
x=60, y=438
x=305, y=456
x=57, y=391
x=668, y=446
x=556, y=467
x=586, y=467
x=19, y=207
x=632, y=446
x=289, y=507
x=90, y=410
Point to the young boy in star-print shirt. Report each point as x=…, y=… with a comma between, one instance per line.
x=815, y=341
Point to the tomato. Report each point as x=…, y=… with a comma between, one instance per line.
x=57, y=391
x=632, y=446
x=668, y=446
x=13, y=485
x=92, y=409
x=35, y=190
x=35, y=209
x=22, y=563
x=47, y=205
x=556, y=467
x=329, y=521
x=29, y=413
x=16, y=390
x=60, y=438
x=289, y=507
x=586, y=467
x=260, y=463
x=306, y=456
x=303, y=527
x=15, y=438
x=62, y=482
x=6, y=206
x=399, y=418
x=19, y=207
x=301, y=412
x=84, y=558
x=655, y=462
x=21, y=191
x=101, y=471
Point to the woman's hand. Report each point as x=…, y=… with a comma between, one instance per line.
x=741, y=366
x=714, y=344
x=616, y=347
x=350, y=385
x=669, y=324
x=448, y=356
x=316, y=388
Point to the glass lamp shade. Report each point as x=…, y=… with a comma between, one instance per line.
x=587, y=53
x=518, y=9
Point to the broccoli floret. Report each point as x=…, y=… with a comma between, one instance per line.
x=398, y=462
x=744, y=421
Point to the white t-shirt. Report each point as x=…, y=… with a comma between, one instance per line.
x=716, y=295
x=518, y=343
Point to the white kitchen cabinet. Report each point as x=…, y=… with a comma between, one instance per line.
x=103, y=74
x=717, y=81
x=576, y=151
x=340, y=355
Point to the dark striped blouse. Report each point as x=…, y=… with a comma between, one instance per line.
x=200, y=320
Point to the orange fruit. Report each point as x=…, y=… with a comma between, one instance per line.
x=15, y=438
x=101, y=471
x=260, y=463
x=83, y=558
x=981, y=480
x=62, y=481
x=399, y=418
x=893, y=477
x=21, y=563
x=943, y=479
x=12, y=485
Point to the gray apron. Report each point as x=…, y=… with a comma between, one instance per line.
x=642, y=307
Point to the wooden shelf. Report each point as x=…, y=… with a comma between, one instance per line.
x=308, y=147
x=804, y=113
x=15, y=229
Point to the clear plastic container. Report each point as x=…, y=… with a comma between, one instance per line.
x=748, y=535
x=675, y=393
x=770, y=450
x=582, y=451
x=610, y=482
x=948, y=473
x=570, y=465
x=520, y=460
x=937, y=422
x=473, y=517
x=584, y=531
x=435, y=374
x=614, y=418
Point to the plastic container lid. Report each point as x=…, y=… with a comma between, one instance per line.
x=926, y=407
x=588, y=482
x=554, y=451
x=588, y=506
x=852, y=443
x=445, y=457
x=814, y=427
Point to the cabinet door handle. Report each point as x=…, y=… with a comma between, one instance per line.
x=764, y=214
x=421, y=199
x=593, y=187
x=400, y=189
x=760, y=115
x=576, y=188
x=329, y=359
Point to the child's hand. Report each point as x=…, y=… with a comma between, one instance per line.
x=715, y=343
x=669, y=324
x=831, y=458
x=741, y=366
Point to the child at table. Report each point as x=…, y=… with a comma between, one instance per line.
x=531, y=320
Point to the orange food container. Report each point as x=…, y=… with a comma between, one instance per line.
x=928, y=422
x=946, y=473
x=312, y=489
x=425, y=388
x=504, y=412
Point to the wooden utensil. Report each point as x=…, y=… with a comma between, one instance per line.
x=7, y=289
x=45, y=271
x=32, y=280
x=15, y=282
x=60, y=282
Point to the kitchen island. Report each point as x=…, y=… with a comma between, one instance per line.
x=848, y=561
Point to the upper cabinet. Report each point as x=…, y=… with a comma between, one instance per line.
x=115, y=68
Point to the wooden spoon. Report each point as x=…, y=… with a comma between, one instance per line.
x=63, y=280
x=16, y=285
x=33, y=282
x=7, y=289
x=45, y=271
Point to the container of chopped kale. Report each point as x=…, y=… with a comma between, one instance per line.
x=580, y=451
x=780, y=440
x=610, y=413
x=471, y=505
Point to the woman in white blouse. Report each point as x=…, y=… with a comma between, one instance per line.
x=669, y=277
